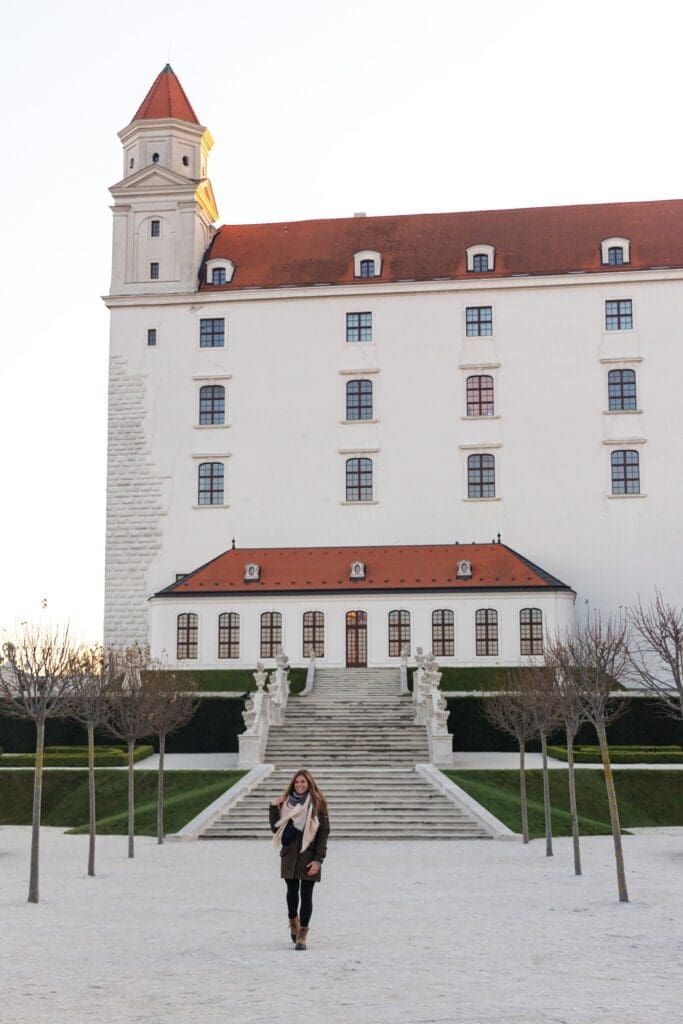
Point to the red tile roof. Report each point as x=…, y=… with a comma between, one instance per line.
x=543, y=240
x=165, y=99
x=405, y=567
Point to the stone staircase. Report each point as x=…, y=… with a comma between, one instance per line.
x=355, y=732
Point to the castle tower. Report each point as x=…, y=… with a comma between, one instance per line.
x=164, y=208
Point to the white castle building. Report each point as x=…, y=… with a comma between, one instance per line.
x=319, y=430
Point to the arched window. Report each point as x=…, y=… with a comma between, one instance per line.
x=271, y=634
x=212, y=405
x=367, y=268
x=481, y=476
x=314, y=634
x=480, y=395
x=359, y=400
x=211, y=483
x=228, y=635
x=531, y=631
x=359, y=479
x=480, y=262
x=443, y=633
x=486, y=632
x=615, y=255
x=399, y=632
x=621, y=390
x=187, y=640
x=625, y=472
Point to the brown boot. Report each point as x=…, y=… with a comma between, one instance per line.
x=301, y=938
x=294, y=927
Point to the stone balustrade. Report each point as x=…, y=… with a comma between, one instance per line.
x=431, y=709
x=257, y=719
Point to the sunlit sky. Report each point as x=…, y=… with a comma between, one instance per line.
x=318, y=109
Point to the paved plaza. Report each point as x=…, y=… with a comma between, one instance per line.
x=479, y=932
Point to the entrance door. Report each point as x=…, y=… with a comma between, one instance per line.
x=356, y=640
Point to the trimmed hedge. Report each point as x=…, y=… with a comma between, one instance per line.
x=643, y=724
x=238, y=680
x=476, y=677
x=76, y=757
x=621, y=755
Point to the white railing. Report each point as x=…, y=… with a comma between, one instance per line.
x=405, y=654
x=310, y=674
x=256, y=715
x=431, y=709
x=278, y=689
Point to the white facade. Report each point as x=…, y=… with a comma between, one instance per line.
x=286, y=438
x=557, y=608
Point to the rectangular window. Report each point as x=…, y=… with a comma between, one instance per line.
x=478, y=321
x=481, y=476
x=399, y=632
x=212, y=405
x=212, y=333
x=155, y=228
x=314, y=634
x=211, y=483
x=359, y=480
x=480, y=395
x=625, y=472
x=154, y=271
x=359, y=326
x=152, y=336
x=359, y=400
x=618, y=315
x=218, y=275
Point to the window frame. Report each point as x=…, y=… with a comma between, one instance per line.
x=486, y=621
x=155, y=228
x=398, y=631
x=354, y=479
x=478, y=321
x=151, y=337
x=187, y=636
x=154, y=270
x=213, y=475
x=530, y=631
x=220, y=273
x=213, y=400
x=620, y=385
x=481, y=401
x=621, y=465
x=356, y=402
x=617, y=319
x=443, y=645
x=211, y=335
x=477, y=475
x=313, y=633
x=355, y=325
x=270, y=624
x=229, y=636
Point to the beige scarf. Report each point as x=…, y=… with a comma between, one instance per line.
x=302, y=817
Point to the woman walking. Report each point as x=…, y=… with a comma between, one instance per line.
x=301, y=825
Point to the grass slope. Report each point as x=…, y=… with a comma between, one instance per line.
x=646, y=798
x=238, y=680
x=65, y=798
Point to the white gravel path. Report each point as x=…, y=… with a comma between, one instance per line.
x=403, y=933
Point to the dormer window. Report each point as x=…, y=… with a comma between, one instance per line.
x=367, y=264
x=252, y=572
x=614, y=252
x=464, y=570
x=480, y=258
x=219, y=271
x=357, y=571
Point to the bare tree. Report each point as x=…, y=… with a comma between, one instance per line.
x=34, y=684
x=537, y=685
x=88, y=704
x=656, y=651
x=572, y=715
x=129, y=713
x=510, y=711
x=172, y=705
x=598, y=657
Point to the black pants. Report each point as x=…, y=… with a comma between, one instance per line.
x=304, y=912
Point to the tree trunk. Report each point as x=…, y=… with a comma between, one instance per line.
x=572, y=803
x=34, y=878
x=160, y=793
x=614, y=815
x=546, y=799
x=522, y=794
x=131, y=800
x=92, y=816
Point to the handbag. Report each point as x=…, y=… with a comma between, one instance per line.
x=289, y=834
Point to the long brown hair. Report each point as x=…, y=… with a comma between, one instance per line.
x=317, y=796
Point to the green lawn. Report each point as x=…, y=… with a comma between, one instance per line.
x=65, y=798
x=646, y=798
x=239, y=680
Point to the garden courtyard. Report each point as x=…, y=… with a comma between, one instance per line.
x=483, y=932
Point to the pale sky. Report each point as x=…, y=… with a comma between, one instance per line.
x=318, y=109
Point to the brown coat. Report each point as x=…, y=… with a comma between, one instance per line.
x=294, y=863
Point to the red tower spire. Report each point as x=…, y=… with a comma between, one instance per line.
x=165, y=99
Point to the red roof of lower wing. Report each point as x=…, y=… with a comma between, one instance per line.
x=422, y=247
x=396, y=568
